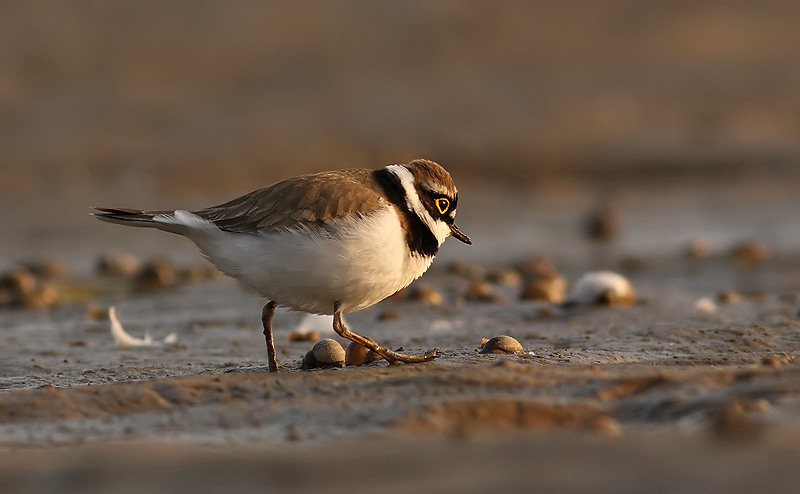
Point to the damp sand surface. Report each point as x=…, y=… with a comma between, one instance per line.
x=602, y=397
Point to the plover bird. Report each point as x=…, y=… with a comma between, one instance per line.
x=332, y=242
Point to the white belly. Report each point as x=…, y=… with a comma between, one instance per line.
x=365, y=261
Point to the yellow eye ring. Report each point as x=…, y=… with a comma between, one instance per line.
x=442, y=205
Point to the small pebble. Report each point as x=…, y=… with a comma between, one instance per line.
x=326, y=353
x=605, y=425
x=602, y=224
x=19, y=288
x=705, y=305
x=47, y=269
x=729, y=297
x=505, y=276
x=760, y=405
x=390, y=315
x=158, y=273
x=303, y=336
x=750, y=252
x=501, y=344
x=309, y=361
x=772, y=361
x=19, y=280
x=481, y=291
x=359, y=355
x=602, y=288
x=96, y=312
x=699, y=249
x=426, y=294
x=122, y=264
x=537, y=267
x=552, y=289
x=543, y=313
x=466, y=270
x=43, y=297
x=733, y=422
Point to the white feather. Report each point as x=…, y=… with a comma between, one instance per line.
x=184, y=218
x=124, y=340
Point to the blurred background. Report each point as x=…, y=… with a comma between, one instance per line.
x=684, y=115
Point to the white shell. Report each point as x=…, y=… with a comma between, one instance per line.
x=705, y=305
x=602, y=287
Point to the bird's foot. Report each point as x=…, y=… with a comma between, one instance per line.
x=395, y=357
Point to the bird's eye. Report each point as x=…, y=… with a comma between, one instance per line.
x=442, y=205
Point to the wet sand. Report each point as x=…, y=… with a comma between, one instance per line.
x=607, y=398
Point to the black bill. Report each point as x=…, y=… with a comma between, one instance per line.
x=459, y=234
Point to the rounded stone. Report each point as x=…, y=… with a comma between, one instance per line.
x=602, y=224
x=309, y=361
x=20, y=288
x=551, y=289
x=359, y=355
x=699, y=249
x=118, y=264
x=505, y=277
x=750, y=252
x=426, y=294
x=481, y=291
x=303, y=336
x=156, y=274
x=328, y=352
x=502, y=344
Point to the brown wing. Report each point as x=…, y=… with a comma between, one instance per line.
x=308, y=199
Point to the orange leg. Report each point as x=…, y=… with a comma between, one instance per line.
x=266, y=320
x=391, y=356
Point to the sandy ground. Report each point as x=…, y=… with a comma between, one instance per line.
x=605, y=398
x=681, y=119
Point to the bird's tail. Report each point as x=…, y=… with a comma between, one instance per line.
x=179, y=221
x=162, y=220
x=129, y=217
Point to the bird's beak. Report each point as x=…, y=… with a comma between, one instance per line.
x=459, y=234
